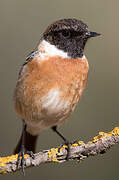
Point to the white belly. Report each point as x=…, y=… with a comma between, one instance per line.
x=54, y=111
x=53, y=103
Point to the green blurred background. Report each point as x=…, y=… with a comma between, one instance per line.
x=21, y=25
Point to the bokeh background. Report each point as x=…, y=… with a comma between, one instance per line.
x=21, y=25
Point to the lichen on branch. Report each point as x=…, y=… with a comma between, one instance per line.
x=79, y=151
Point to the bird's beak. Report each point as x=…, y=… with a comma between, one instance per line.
x=92, y=34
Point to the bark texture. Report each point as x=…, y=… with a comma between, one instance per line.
x=79, y=151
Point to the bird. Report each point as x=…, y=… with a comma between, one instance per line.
x=51, y=82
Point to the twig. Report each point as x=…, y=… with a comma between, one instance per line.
x=79, y=151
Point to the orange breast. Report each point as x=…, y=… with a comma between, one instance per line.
x=48, y=90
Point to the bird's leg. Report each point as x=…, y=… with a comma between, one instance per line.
x=22, y=149
x=54, y=128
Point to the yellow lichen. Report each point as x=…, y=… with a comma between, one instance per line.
x=80, y=142
x=109, y=134
x=3, y=171
x=101, y=135
x=74, y=145
x=115, y=131
x=4, y=160
x=52, y=153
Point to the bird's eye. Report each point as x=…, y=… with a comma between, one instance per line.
x=65, y=33
x=77, y=33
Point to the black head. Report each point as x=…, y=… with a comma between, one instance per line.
x=69, y=35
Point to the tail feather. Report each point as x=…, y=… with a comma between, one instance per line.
x=29, y=143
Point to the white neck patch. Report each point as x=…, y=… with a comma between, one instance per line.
x=83, y=57
x=47, y=50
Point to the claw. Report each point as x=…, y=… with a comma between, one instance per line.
x=67, y=143
x=31, y=154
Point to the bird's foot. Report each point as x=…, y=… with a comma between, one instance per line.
x=67, y=143
x=21, y=154
x=21, y=162
x=30, y=153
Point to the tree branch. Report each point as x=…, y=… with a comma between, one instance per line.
x=79, y=151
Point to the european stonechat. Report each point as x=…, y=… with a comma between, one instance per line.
x=51, y=81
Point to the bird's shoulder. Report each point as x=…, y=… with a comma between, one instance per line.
x=28, y=59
